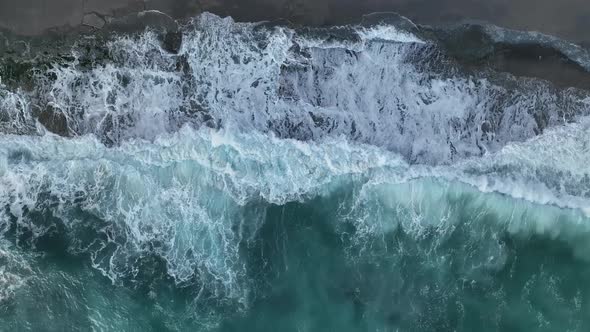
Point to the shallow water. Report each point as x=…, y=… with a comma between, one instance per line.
x=264, y=178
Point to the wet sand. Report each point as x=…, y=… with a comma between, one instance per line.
x=569, y=19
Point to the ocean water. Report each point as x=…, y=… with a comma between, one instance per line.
x=267, y=178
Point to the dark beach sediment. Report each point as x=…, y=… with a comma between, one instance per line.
x=569, y=20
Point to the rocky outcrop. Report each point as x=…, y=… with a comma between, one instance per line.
x=54, y=120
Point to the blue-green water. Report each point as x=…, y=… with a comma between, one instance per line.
x=340, y=185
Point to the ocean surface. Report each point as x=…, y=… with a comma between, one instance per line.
x=268, y=178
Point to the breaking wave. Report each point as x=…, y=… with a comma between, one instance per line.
x=171, y=167
x=380, y=85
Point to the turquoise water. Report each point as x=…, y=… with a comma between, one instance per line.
x=353, y=253
x=307, y=276
x=270, y=179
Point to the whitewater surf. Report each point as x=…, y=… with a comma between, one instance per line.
x=265, y=177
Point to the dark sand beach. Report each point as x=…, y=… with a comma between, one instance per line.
x=569, y=19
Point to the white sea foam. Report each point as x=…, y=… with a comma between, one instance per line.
x=189, y=196
x=403, y=96
x=14, y=271
x=290, y=126
x=388, y=33
x=15, y=113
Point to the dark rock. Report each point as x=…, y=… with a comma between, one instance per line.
x=183, y=66
x=54, y=120
x=172, y=42
x=486, y=127
x=15, y=73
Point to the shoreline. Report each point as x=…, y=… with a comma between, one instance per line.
x=36, y=17
x=474, y=45
x=526, y=55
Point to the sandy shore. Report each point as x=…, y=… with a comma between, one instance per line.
x=568, y=19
